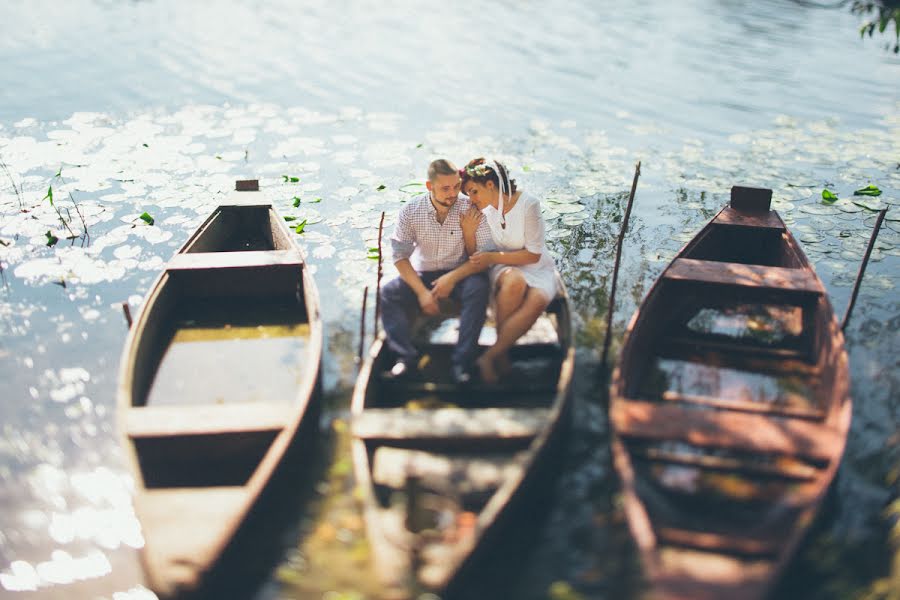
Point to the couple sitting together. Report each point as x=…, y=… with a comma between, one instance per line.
x=489, y=242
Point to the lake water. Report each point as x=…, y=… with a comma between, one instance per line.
x=125, y=108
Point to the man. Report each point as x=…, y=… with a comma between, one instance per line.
x=429, y=253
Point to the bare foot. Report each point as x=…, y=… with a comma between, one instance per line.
x=486, y=368
x=504, y=365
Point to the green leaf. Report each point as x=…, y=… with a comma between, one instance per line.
x=381, y=187
x=146, y=218
x=829, y=197
x=51, y=239
x=59, y=172
x=288, y=178
x=300, y=226
x=296, y=201
x=289, y=219
x=145, y=145
x=49, y=195
x=419, y=145
x=218, y=157
x=526, y=168
x=316, y=201
x=869, y=190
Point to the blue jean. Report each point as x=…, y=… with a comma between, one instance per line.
x=399, y=306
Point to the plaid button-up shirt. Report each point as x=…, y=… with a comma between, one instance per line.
x=430, y=245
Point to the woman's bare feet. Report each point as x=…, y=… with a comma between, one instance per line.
x=486, y=367
x=503, y=364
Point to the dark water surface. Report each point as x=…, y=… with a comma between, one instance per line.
x=157, y=106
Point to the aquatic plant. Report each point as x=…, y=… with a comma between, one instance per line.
x=888, y=10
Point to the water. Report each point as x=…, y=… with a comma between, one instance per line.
x=159, y=106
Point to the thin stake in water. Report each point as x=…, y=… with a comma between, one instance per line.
x=862, y=268
x=619, y=243
x=362, y=326
x=378, y=281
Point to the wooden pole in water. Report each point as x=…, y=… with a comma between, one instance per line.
x=127, y=310
x=362, y=325
x=378, y=281
x=615, y=279
x=862, y=268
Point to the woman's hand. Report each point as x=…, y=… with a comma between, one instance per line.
x=483, y=259
x=470, y=220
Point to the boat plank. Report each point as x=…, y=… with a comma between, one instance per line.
x=718, y=542
x=470, y=474
x=747, y=405
x=449, y=423
x=744, y=275
x=767, y=220
x=206, y=419
x=725, y=429
x=242, y=259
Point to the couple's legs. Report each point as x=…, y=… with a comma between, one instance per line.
x=399, y=305
x=518, y=307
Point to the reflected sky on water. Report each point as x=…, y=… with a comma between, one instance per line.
x=157, y=106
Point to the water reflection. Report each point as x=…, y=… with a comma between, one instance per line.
x=569, y=96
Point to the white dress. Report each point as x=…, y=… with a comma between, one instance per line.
x=524, y=229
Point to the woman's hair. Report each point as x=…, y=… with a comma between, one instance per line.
x=480, y=171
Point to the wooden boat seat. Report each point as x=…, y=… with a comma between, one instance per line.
x=207, y=419
x=744, y=275
x=725, y=429
x=447, y=424
x=238, y=260
x=744, y=356
x=746, y=405
x=471, y=474
x=742, y=545
x=729, y=217
x=787, y=468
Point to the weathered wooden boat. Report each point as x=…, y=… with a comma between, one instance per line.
x=219, y=373
x=441, y=468
x=729, y=407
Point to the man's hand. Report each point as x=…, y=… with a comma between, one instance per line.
x=482, y=259
x=443, y=286
x=429, y=304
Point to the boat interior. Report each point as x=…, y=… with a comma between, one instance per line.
x=229, y=306
x=438, y=453
x=736, y=331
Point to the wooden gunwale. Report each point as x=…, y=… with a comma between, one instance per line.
x=179, y=565
x=819, y=435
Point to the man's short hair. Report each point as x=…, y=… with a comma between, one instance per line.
x=441, y=166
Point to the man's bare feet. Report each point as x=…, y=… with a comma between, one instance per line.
x=486, y=367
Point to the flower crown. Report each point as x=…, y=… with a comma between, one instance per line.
x=478, y=170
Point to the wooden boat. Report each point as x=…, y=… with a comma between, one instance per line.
x=440, y=467
x=219, y=372
x=729, y=407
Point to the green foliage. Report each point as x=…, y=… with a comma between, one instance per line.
x=887, y=11
x=829, y=197
x=300, y=226
x=869, y=190
x=296, y=201
x=374, y=254
x=288, y=178
x=51, y=239
x=289, y=219
x=49, y=195
x=381, y=187
x=146, y=218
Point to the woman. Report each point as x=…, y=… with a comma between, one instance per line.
x=523, y=275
